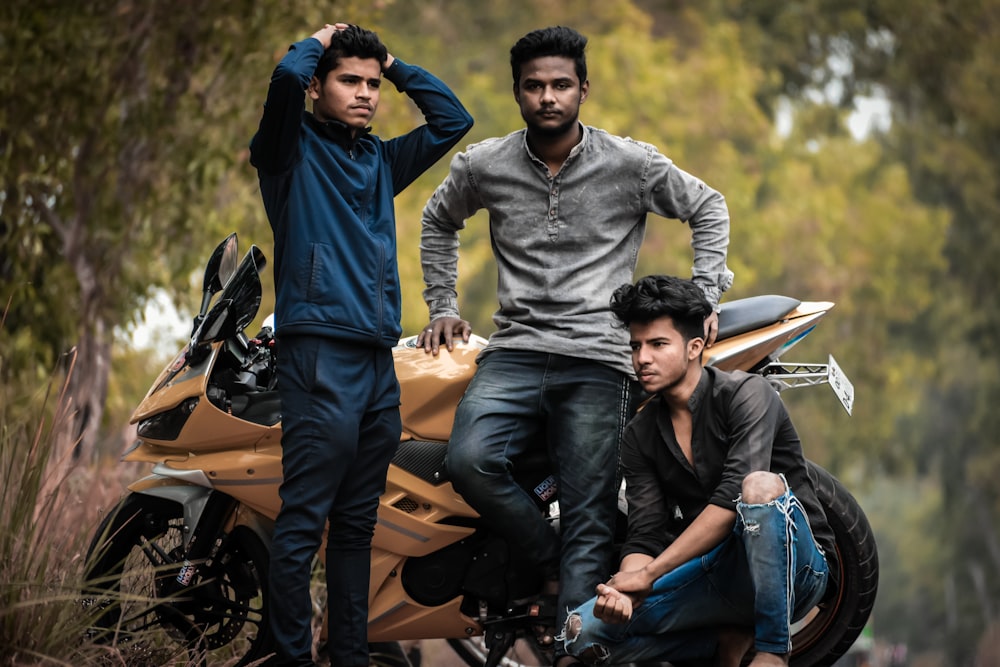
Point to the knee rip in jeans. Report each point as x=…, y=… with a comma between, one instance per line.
x=592, y=655
x=784, y=503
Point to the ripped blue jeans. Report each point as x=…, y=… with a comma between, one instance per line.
x=766, y=575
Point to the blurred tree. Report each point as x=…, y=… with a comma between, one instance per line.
x=896, y=227
x=123, y=134
x=934, y=62
x=815, y=213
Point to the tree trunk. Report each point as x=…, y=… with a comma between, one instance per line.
x=87, y=364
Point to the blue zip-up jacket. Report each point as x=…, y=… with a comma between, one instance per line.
x=329, y=200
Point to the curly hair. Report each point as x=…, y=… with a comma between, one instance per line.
x=554, y=41
x=352, y=42
x=658, y=296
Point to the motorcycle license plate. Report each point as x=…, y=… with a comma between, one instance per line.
x=841, y=386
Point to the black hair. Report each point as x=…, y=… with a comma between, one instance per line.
x=653, y=297
x=351, y=42
x=555, y=41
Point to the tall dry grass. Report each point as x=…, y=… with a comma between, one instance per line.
x=49, y=510
x=43, y=513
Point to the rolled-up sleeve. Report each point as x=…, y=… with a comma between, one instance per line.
x=674, y=193
x=445, y=213
x=754, y=423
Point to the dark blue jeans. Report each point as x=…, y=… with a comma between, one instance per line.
x=340, y=428
x=576, y=408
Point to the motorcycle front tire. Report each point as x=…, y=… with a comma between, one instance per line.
x=142, y=609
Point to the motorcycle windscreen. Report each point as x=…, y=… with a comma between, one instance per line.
x=238, y=304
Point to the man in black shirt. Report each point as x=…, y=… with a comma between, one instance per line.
x=726, y=538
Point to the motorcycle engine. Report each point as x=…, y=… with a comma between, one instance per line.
x=434, y=579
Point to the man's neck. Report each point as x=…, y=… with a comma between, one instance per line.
x=553, y=150
x=678, y=396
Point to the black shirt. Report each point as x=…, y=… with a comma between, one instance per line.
x=739, y=425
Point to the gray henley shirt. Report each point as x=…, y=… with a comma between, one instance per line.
x=563, y=243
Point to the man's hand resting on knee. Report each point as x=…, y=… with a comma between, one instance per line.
x=612, y=606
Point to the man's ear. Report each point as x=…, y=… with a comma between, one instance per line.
x=695, y=347
x=313, y=89
x=584, y=91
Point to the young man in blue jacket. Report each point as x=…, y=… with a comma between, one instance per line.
x=328, y=186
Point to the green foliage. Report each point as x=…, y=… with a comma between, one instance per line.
x=936, y=343
x=123, y=140
x=896, y=229
x=908, y=608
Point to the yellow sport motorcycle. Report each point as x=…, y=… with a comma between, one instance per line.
x=179, y=568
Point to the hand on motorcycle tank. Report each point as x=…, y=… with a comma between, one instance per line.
x=446, y=329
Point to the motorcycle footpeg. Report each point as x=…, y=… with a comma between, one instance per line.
x=541, y=607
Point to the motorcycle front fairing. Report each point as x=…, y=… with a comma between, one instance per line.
x=195, y=444
x=179, y=399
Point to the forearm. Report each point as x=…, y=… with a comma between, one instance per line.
x=674, y=193
x=444, y=113
x=454, y=201
x=706, y=532
x=710, y=243
x=635, y=561
x=439, y=261
x=275, y=144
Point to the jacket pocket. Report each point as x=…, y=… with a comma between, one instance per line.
x=341, y=286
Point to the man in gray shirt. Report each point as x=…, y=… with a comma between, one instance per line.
x=567, y=206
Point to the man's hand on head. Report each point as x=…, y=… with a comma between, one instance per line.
x=325, y=34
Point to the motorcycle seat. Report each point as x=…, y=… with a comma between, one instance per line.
x=742, y=315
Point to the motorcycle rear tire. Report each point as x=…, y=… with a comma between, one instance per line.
x=133, y=563
x=837, y=623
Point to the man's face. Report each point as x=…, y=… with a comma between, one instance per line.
x=550, y=94
x=660, y=356
x=350, y=93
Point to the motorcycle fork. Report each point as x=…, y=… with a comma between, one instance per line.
x=207, y=536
